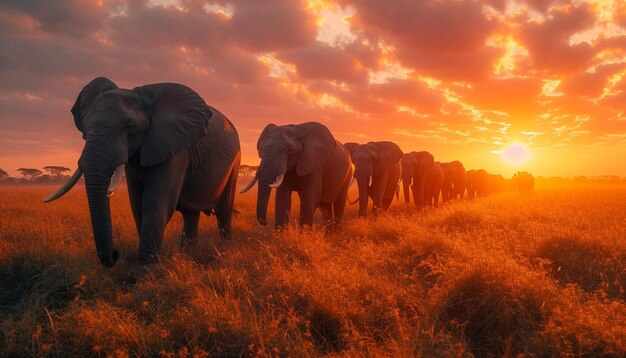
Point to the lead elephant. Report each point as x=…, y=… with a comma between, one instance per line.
x=415, y=165
x=453, y=186
x=179, y=154
x=307, y=159
x=377, y=171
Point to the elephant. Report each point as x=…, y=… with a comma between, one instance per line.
x=178, y=153
x=524, y=182
x=497, y=183
x=477, y=183
x=415, y=165
x=432, y=184
x=307, y=159
x=377, y=171
x=453, y=186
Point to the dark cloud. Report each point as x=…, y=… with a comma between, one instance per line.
x=589, y=84
x=439, y=38
x=324, y=62
x=548, y=42
x=275, y=25
x=75, y=18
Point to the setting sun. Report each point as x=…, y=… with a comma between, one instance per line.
x=516, y=153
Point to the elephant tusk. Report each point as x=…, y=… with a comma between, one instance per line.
x=351, y=181
x=279, y=181
x=117, y=177
x=370, y=184
x=249, y=186
x=411, y=181
x=66, y=187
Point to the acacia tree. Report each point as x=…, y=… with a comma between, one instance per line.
x=29, y=173
x=3, y=174
x=247, y=170
x=56, y=171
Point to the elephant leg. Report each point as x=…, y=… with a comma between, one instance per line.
x=224, y=209
x=339, y=206
x=310, y=196
x=379, y=189
x=190, y=228
x=282, y=206
x=162, y=189
x=327, y=215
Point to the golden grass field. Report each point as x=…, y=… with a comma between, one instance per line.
x=542, y=275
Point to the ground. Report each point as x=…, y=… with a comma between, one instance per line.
x=542, y=274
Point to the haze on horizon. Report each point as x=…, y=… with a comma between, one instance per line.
x=462, y=79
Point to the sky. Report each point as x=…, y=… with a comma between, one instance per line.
x=465, y=80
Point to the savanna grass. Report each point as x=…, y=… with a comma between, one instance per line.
x=539, y=274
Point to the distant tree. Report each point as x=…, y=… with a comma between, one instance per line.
x=29, y=173
x=247, y=170
x=3, y=174
x=56, y=171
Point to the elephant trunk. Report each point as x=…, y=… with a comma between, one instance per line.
x=363, y=184
x=271, y=174
x=97, y=188
x=405, y=187
x=263, y=197
x=98, y=165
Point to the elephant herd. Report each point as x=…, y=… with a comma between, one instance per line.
x=180, y=154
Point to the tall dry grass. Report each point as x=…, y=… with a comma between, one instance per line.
x=542, y=275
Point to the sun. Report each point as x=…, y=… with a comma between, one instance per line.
x=516, y=153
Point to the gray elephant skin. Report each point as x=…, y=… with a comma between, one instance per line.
x=454, y=179
x=178, y=152
x=377, y=171
x=307, y=159
x=415, y=166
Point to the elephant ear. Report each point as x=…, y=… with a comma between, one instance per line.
x=317, y=145
x=351, y=146
x=178, y=117
x=87, y=97
x=268, y=128
x=409, y=158
x=388, y=154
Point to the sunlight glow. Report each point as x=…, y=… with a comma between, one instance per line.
x=516, y=153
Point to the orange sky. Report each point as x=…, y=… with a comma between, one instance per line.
x=461, y=79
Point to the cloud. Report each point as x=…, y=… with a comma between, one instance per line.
x=548, y=41
x=324, y=62
x=459, y=78
x=438, y=38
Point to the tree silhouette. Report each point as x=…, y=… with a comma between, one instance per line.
x=247, y=170
x=3, y=174
x=29, y=173
x=56, y=171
